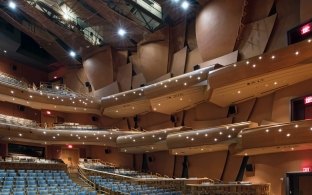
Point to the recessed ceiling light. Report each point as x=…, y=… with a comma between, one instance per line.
x=260, y=57
x=273, y=57
x=185, y=5
x=288, y=134
x=121, y=32
x=12, y=92
x=12, y=5
x=297, y=53
x=72, y=54
x=20, y=134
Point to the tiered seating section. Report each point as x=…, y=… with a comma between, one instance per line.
x=11, y=81
x=17, y=121
x=123, y=187
x=59, y=90
x=118, y=171
x=42, y=182
x=75, y=126
x=28, y=159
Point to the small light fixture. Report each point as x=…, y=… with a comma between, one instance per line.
x=121, y=32
x=12, y=4
x=185, y=5
x=72, y=54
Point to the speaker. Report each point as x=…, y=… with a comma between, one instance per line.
x=14, y=67
x=151, y=159
x=232, y=110
x=107, y=151
x=87, y=84
x=21, y=108
x=172, y=118
x=250, y=168
x=196, y=67
x=94, y=118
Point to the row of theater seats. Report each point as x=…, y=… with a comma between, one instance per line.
x=17, y=121
x=118, y=171
x=47, y=89
x=39, y=182
x=26, y=159
x=59, y=91
x=75, y=126
x=130, y=188
x=8, y=80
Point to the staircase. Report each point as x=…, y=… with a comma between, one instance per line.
x=74, y=176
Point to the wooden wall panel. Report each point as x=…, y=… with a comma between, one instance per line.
x=193, y=58
x=288, y=12
x=120, y=58
x=164, y=77
x=244, y=110
x=257, y=10
x=213, y=169
x=138, y=80
x=152, y=59
x=211, y=123
x=178, y=62
x=281, y=110
x=217, y=27
x=223, y=60
x=178, y=36
x=23, y=72
x=151, y=120
x=124, y=77
x=110, y=89
x=99, y=68
x=271, y=168
x=203, y=112
x=75, y=79
x=191, y=35
x=255, y=37
x=305, y=10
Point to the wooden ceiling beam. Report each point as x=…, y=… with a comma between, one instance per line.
x=114, y=18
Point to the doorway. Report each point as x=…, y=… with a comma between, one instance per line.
x=299, y=183
x=70, y=157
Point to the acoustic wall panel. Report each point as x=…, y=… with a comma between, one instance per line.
x=217, y=27
x=138, y=80
x=124, y=77
x=99, y=68
x=257, y=10
x=223, y=60
x=178, y=62
x=107, y=90
x=159, y=79
x=255, y=37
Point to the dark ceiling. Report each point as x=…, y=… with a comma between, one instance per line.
x=49, y=29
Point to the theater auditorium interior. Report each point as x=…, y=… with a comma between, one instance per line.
x=155, y=97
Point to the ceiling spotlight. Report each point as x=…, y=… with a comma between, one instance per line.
x=12, y=5
x=72, y=54
x=122, y=32
x=185, y=5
